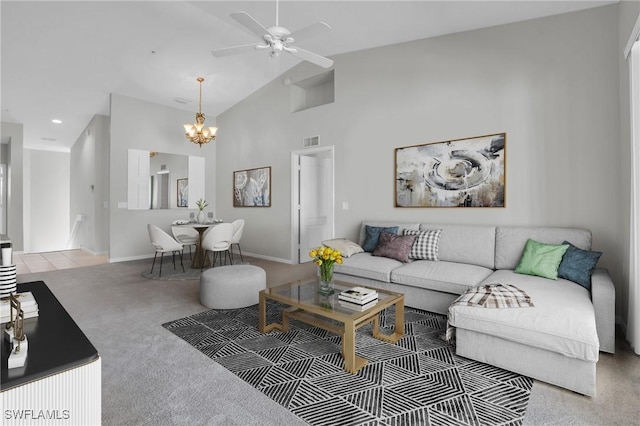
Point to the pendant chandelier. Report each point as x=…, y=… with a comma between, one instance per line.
x=196, y=132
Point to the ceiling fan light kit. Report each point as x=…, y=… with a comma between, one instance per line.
x=196, y=132
x=277, y=39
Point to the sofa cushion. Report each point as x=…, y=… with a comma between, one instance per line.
x=577, y=265
x=472, y=244
x=426, y=244
x=344, y=246
x=367, y=266
x=443, y=276
x=373, y=236
x=383, y=224
x=562, y=321
x=394, y=246
x=541, y=259
x=510, y=241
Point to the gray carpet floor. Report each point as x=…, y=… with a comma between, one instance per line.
x=151, y=377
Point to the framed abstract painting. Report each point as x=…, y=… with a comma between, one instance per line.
x=252, y=187
x=467, y=172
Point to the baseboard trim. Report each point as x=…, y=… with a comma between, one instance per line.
x=261, y=256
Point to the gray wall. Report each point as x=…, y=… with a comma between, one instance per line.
x=552, y=84
x=15, y=201
x=90, y=186
x=162, y=131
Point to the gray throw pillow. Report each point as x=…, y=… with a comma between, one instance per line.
x=426, y=244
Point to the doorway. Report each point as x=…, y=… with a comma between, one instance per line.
x=312, y=200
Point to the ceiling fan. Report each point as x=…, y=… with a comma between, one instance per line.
x=277, y=39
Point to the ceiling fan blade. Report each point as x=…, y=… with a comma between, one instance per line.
x=312, y=30
x=311, y=57
x=226, y=51
x=251, y=24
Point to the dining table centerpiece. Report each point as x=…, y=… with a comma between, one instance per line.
x=201, y=204
x=325, y=258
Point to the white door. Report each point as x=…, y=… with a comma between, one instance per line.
x=315, y=191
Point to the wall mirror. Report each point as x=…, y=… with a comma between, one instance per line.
x=159, y=180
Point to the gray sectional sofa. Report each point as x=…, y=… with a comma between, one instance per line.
x=556, y=341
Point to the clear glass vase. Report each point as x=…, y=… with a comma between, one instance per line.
x=326, y=280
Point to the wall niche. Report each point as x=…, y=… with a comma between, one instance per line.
x=313, y=91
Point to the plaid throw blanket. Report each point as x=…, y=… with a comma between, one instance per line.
x=490, y=296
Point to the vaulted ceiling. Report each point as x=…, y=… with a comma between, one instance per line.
x=62, y=60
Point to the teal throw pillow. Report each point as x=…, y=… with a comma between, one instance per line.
x=372, y=235
x=577, y=265
x=541, y=259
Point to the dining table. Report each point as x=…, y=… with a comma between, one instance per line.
x=200, y=259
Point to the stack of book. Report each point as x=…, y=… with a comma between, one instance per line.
x=358, y=298
x=27, y=304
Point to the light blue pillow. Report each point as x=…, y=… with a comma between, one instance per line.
x=372, y=236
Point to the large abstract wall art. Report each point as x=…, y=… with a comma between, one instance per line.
x=458, y=173
x=252, y=188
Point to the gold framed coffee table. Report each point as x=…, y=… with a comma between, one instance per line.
x=306, y=305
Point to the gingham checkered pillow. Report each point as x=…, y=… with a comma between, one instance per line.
x=426, y=244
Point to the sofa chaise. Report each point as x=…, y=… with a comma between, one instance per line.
x=556, y=341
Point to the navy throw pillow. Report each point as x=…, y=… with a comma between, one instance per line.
x=372, y=236
x=577, y=265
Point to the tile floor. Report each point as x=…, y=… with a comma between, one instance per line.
x=51, y=261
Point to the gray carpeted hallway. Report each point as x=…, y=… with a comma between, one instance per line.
x=151, y=376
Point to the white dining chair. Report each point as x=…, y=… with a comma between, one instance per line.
x=164, y=243
x=217, y=240
x=238, y=228
x=186, y=235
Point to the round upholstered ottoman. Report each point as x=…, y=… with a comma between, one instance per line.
x=231, y=287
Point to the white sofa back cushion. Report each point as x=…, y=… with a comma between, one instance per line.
x=470, y=244
x=510, y=241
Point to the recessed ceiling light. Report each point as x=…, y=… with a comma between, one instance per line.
x=56, y=121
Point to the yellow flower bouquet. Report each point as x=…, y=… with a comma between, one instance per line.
x=325, y=258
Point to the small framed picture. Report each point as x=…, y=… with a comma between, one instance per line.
x=183, y=192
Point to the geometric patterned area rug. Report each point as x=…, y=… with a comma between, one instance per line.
x=417, y=381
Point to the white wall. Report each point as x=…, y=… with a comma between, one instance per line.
x=47, y=188
x=138, y=124
x=629, y=11
x=15, y=172
x=550, y=83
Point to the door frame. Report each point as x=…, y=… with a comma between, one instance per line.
x=295, y=202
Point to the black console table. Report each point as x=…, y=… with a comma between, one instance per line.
x=59, y=353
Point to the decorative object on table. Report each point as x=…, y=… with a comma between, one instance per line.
x=458, y=173
x=183, y=192
x=28, y=305
x=192, y=217
x=444, y=388
x=197, y=133
x=325, y=258
x=252, y=187
x=14, y=334
x=277, y=39
x=210, y=217
x=358, y=296
x=8, y=280
x=202, y=204
x=6, y=256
